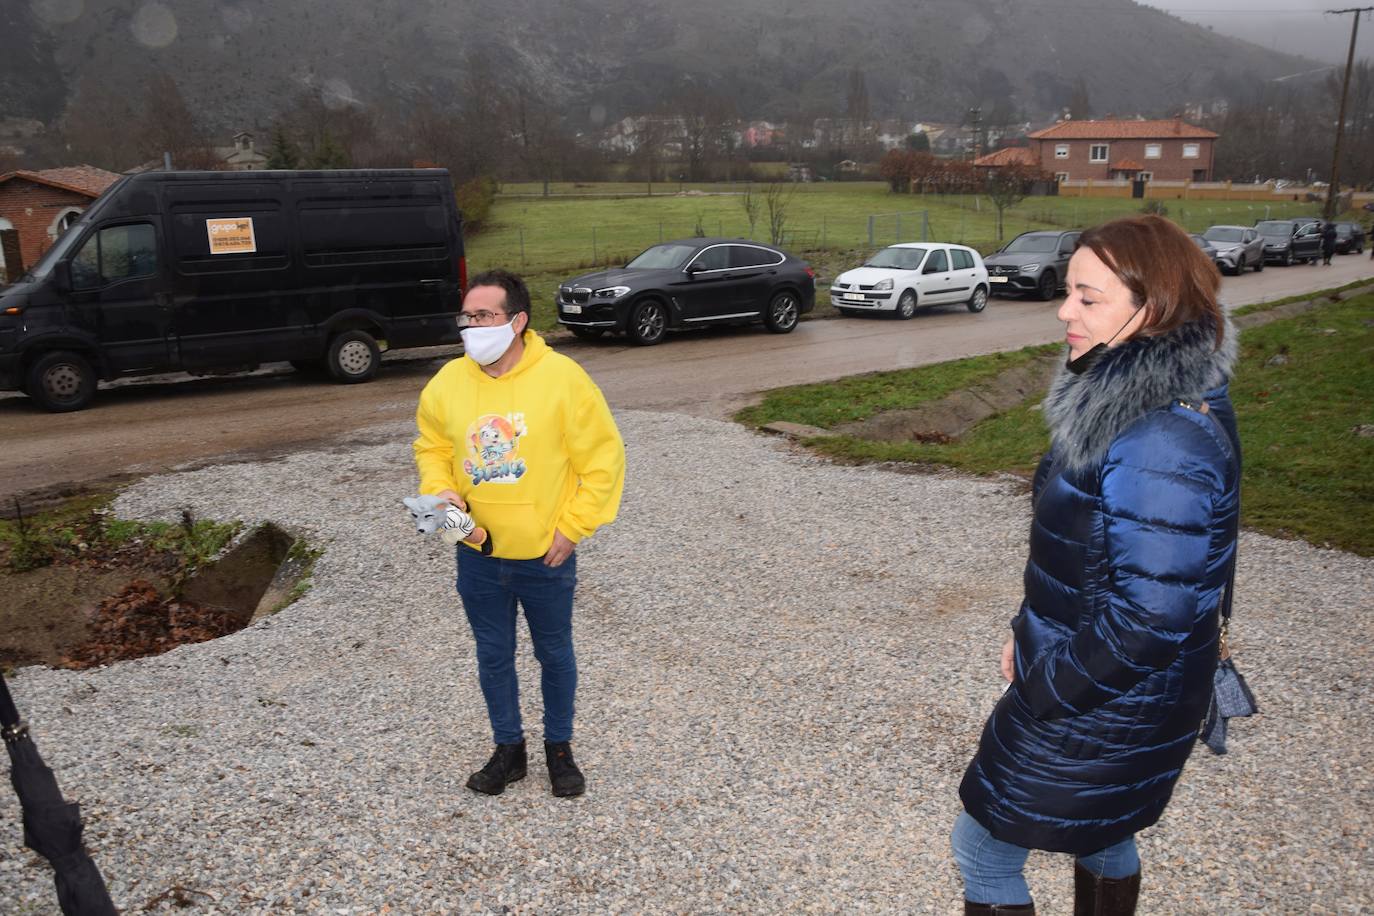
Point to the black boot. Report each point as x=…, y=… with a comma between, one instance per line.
x=564, y=775
x=995, y=909
x=1095, y=896
x=507, y=765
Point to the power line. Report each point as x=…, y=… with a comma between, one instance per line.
x=1333, y=189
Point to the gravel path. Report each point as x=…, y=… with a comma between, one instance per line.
x=785, y=666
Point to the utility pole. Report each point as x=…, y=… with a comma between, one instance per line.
x=975, y=117
x=1333, y=190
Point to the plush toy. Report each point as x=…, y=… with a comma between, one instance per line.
x=453, y=524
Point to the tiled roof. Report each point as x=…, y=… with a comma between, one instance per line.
x=83, y=179
x=1127, y=165
x=1122, y=130
x=1014, y=155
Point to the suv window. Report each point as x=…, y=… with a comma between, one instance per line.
x=961, y=259
x=751, y=256
x=714, y=258
x=116, y=253
x=936, y=263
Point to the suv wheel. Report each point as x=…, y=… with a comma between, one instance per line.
x=979, y=300
x=61, y=381
x=906, y=305
x=1047, y=286
x=783, y=313
x=648, y=321
x=353, y=357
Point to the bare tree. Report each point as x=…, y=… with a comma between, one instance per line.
x=705, y=116
x=1007, y=186
x=752, y=204
x=167, y=125
x=98, y=128
x=776, y=200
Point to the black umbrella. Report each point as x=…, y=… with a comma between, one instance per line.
x=52, y=826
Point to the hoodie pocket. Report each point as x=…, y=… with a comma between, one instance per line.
x=516, y=529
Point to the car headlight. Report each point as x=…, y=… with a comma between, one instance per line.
x=611, y=292
x=1029, y=268
x=883, y=284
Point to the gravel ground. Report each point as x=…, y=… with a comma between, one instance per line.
x=785, y=667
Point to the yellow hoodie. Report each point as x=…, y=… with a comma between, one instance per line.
x=533, y=450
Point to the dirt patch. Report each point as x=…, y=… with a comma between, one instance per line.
x=97, y=599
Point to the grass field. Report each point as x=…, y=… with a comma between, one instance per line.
x=1308, y=472
x=585, y=225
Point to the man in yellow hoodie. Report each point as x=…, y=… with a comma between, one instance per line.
x=521, y=438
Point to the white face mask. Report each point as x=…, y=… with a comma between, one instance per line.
x=487, y=345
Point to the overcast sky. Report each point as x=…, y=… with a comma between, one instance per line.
x=1296, y=26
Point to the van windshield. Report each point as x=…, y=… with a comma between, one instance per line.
x=54, y=254
x=1033, y=243
x=663, y=256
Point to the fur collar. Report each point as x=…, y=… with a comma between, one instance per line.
x=1085, y=413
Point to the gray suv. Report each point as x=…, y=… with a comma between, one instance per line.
x=1032, y=264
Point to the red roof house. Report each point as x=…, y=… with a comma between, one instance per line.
x=1166, y=150
x=41, y=205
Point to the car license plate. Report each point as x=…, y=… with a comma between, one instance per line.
x=572, y=309
x=998, y=279
x=855, y=297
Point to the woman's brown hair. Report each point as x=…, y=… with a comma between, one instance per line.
x=1163, y=268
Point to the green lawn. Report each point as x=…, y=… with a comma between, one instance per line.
x=1307, y=473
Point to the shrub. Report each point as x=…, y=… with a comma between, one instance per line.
x=475, y=199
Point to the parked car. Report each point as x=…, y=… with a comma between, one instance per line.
x=212, y=271
x=1032, y=264
x=1237, y=247
x=1289, y=240
x=690, y=283
x=1349, y=238
x=904, y=277
x=1207, y=247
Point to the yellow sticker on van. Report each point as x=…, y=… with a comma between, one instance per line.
x=231, y=236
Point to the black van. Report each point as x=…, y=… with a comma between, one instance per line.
x=214, y=271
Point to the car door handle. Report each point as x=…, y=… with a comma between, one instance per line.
x=431, y=282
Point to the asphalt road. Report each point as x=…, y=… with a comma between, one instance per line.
x=143, y=426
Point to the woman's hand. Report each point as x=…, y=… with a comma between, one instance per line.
x=1009, y=660
x=453, y=499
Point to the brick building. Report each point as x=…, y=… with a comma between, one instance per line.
x=1164, y=150
x=41, y=205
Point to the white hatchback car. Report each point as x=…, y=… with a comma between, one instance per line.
x=904, y=277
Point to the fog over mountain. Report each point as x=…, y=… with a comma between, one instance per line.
x=239, y=62
x=1299, y=27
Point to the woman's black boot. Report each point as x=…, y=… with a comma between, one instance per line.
x=1097, y=896
x=995, y=909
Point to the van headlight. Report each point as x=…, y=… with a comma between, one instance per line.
x=611, y=292
x=883, y=284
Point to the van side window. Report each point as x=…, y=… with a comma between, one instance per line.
x=114, y=254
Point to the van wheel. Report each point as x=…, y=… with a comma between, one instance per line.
x=353, y=357
x=61, y=381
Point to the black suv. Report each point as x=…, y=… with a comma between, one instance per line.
x=1349, y=238
x=1032, y=264
x=690, y=283
x=1289, y=240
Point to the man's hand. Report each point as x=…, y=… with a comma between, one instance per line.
x=559, y=550
x=453, y=498
x=1008, y=660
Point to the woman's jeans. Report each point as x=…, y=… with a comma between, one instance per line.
x=992, y=869
x=490, y=588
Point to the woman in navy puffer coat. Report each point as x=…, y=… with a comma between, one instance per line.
x=1132, y=543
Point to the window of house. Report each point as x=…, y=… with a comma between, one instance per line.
x=1061, y=151
x=1145, y=176
x=1152, y=150
x=1190, y=150
x=1098, y=152
x=1061, y=176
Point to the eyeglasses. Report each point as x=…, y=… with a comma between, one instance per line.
x=480, y=319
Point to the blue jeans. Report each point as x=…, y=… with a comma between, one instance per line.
x=993, y=869
x=490, y=588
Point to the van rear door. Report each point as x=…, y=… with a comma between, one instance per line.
x=119, y=295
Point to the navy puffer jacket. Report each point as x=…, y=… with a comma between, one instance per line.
x=1132, y=543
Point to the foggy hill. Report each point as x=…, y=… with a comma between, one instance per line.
x=240, y=61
